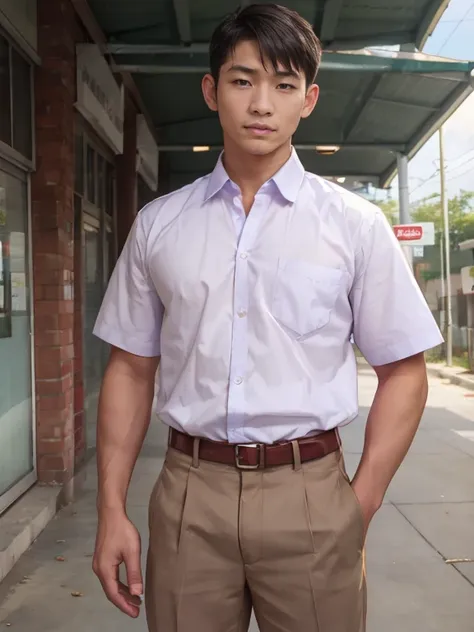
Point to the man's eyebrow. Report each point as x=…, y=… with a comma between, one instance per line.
x=240, y=68
x=252, y=71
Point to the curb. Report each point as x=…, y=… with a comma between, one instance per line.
x=458, y=380
x=24, y=521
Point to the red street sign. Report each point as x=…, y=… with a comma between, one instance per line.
x=408, y=232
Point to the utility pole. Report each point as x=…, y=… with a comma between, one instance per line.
x=403, y=201
x=442, y=320
x=447, y=255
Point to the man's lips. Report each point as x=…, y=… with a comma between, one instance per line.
x=260, y=130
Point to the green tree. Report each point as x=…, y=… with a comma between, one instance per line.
x=390, y=210
x=460, y=214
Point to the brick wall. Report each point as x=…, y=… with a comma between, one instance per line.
x=57, y=242
x=53, y=245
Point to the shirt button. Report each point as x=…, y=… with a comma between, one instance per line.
x=238, y=380
x=242, y=313
x=244, y=255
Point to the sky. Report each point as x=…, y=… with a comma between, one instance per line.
x=453, y=37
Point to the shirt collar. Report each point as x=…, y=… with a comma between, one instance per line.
x=288, y=179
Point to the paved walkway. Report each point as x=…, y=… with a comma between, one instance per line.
x=426, y=521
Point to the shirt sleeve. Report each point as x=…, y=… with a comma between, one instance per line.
x=392, y=320
x=131, y=313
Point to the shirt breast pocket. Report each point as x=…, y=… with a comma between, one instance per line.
x=304, y=296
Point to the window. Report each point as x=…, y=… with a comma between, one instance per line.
x=100, y=181
x=21, y=99
x=91, y=174
x=110, y=190
x=79, y=164
x=5, y=109
x=16, y=100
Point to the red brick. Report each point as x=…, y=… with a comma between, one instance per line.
x=66, y=321
x=51, y=446
x=56, y=418
x=57, y=401
x=54, y=386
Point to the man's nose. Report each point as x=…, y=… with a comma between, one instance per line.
x=261, y=103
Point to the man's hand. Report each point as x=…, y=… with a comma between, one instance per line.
x=393, y=421
x=368, y=503
x=119, y=541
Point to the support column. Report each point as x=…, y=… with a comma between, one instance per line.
x=403, y=191
x=126, y=166
x=53, y=246
x=404, y=201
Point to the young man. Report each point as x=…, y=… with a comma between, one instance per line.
x=248, y=285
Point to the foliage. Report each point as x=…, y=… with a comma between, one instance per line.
x=460, y=213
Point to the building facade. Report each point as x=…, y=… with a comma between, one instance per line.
x=77, y=159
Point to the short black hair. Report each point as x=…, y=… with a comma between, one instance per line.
x=282, y=35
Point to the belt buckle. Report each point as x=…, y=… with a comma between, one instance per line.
x=240, y=465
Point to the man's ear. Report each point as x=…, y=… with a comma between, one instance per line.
x=209, y=91
x=311, y=99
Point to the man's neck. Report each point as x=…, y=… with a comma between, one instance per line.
x=250, y=172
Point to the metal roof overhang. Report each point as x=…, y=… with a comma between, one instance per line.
x=373, y=104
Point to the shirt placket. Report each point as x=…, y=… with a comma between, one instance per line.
x=247, y=228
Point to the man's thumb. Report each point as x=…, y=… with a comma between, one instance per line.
x=134, y=573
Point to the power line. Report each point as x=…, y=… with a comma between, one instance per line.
x=465, y=162
x=470, y=170
x=433, y=175
x=458, y=24
x=464, y=153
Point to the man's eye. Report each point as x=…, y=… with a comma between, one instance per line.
x=286, y=86
x=241, y=82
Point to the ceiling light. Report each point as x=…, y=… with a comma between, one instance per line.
x=327, y=150
x=201, y=148
x=341, y=180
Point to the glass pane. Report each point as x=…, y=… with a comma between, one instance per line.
x=79, y=164
x=21, y=85
x=100, y=181
x=16, y=445
x=110, y=190
x=90, y=174
x=5, y=109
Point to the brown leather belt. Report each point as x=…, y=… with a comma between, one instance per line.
x=253, y=457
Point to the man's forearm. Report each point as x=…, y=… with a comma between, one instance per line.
x=124, y=416
x=392, y=424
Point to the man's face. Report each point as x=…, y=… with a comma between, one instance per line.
x=259, y=109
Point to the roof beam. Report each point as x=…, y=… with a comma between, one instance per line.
x=407, y=104
x=347, y=43
x=447, y=109
x=361, y=103
x=155, y=49
x=392, y=147
x=183, y=20
x=331, y=13
x=361, y=62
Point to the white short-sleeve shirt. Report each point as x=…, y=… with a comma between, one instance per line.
x=253, y=315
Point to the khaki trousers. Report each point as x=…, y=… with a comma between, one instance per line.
x=287, y=541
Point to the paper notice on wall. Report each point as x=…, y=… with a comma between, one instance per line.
x=19, y=295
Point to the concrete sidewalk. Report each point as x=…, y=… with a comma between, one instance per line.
x=414, y=584
x=456, y=375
